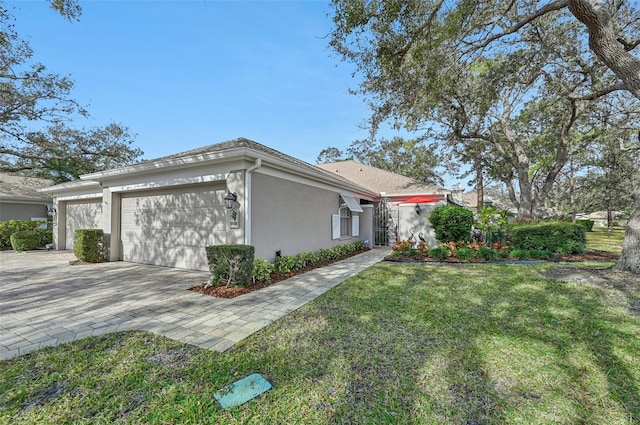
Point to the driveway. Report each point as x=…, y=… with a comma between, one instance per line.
x=46, y=301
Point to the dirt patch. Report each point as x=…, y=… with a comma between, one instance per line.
x=606, y=278
x=234, y=291
x=45, y=395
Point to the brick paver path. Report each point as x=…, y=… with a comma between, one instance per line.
x=45, y=301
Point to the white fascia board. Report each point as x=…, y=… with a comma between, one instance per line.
x=410, y=195
x=295, y=170
x=173, y=163
x=76, y=185
x=156, y=184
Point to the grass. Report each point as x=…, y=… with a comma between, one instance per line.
x=602, y=240
x=396, y=344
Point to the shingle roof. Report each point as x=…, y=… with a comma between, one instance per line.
x=17, y=188
x=379, y=180
x=218, y=150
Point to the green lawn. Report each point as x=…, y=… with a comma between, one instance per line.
x=602, y=240
x=396, y=344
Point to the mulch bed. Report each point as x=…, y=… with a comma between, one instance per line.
x=234, y=291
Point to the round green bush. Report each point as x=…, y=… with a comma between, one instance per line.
x=451, y=223
x=26, y=240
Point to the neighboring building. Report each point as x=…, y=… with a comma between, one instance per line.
x=165, y=211
x=20, y=198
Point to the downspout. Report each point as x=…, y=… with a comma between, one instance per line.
x=247, y=200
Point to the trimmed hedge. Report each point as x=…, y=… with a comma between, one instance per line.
x=232, y=263
x=566, y=238
x=8, y=228
x=25, y=240
x=451, y=223
x=587, y=224
x=88, y=245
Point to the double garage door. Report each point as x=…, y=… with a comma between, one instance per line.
x=172, y=227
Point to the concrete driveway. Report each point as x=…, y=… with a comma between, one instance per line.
x=46, y=301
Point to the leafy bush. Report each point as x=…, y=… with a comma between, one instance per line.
x=587, y=224
x=88, y=245
x=285, y=264
x=8, y=228
x=549, y=236
x=262, y=269
x=451, y=223
x=465, y=253
x=539, y=254
x=45, y=236
x=488, y=254
x=518, y=254
x=439, y=253
x=494, y=223
x=404, y=248
x=570, y=248
x=233, y=263
x=25, y=240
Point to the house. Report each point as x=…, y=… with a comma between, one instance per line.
x=404, y=204
x=20, y=198
x=165, y=211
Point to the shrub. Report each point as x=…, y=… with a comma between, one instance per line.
x=451, y=223
x=518, y=254
x=88, y=245
x=439, y=253
x=488, y=254
x=25, y=240
x=233, y=263
x=262, y=269
x=404, y=248
x=548, y=236
x=8, y=228
x=285, y=264
x=45, y=236
x=587, y=224
x=571, y=247
x=465, y=253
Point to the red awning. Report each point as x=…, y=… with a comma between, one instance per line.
x=425, y=199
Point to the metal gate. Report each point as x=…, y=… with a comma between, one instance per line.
x=384, y=223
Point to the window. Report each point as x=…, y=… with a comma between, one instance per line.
x=346, y=223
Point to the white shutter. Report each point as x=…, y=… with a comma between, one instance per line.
x=355, y=225
x=335, y=226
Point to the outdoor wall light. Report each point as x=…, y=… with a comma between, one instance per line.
x=418, y=209
x=230, y=199
x=51, y=210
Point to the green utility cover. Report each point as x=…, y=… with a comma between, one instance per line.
x=242, y=391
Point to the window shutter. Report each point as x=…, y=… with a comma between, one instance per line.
x=335, y=226
x=355, y=225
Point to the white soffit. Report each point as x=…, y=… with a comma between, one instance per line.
x=351, y=202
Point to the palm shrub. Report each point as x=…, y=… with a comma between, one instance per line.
x=451, y=223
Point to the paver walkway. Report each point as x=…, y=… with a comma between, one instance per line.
x=45, y=301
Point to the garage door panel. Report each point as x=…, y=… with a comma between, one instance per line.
x=86, y=214
x=172, y=228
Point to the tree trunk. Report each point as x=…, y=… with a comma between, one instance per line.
x=609, y=215
x=630, y=258
x=479, y=186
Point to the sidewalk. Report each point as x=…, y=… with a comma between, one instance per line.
x=44, y=301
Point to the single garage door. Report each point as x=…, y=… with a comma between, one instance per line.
x=172, y=227
x=85, y=214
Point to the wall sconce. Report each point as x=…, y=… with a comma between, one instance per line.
x=51, y=210
x=418, y=209
x=230, y=199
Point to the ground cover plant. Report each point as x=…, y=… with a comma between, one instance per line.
x=398, y=343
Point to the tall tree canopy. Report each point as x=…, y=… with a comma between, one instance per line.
x=510, y=79
x=408, y=157
x=36, y=112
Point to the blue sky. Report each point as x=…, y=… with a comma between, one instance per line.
x=185, y=74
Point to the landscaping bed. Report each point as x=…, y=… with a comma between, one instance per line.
x=589, y=255
x=234, y=291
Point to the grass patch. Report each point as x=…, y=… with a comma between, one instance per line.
x=396, y=344
x=603, y=240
